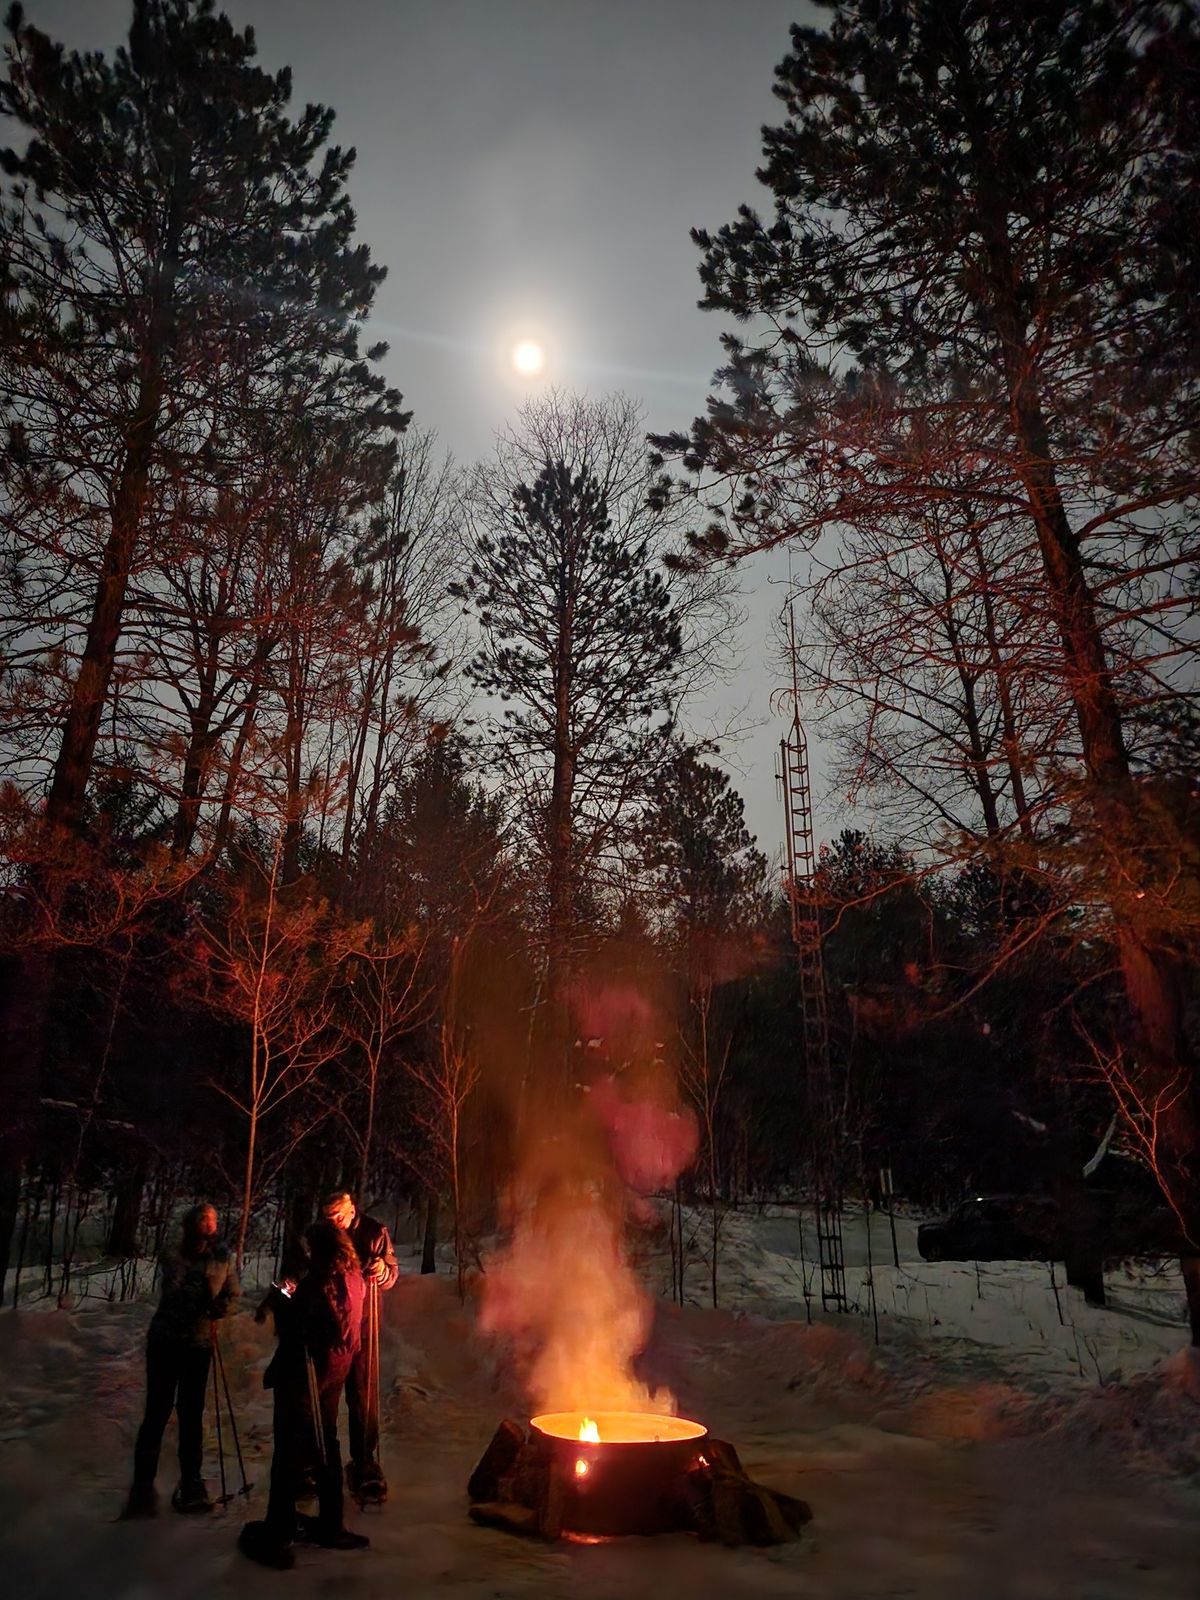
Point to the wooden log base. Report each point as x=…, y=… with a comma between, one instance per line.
x=497, y=1460
x=518, y=1489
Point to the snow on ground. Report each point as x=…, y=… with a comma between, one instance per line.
x=938, y=1463
x=1020, y=1313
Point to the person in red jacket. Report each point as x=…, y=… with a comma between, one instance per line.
x=319, y=1324
x=377, y=1258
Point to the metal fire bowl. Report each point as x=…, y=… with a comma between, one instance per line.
x=631, y=1482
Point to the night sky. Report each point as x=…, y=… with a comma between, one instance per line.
x=531, y=168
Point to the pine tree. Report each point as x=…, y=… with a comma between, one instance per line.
x=705, y=874
x=977, y=232
x=167, y=226
x=709, y=882
x=583, y=646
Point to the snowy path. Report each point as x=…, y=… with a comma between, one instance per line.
x=918, y=1486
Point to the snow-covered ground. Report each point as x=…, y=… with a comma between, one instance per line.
x=970, y=1452
x=1020, y=1316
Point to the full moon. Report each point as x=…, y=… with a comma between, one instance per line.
x=528, y=358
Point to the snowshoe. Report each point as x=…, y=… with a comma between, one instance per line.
x=257, y=1542
x=142, y=1503
x=367, y=1484
x=192, y=1497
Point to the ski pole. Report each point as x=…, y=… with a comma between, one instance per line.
x=233, y=1427
x=314, y=1401
x=225, y=1495
x=373, y=1370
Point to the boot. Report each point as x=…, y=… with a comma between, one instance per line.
x=257, y=1542
x=191, y=1496
x=142, y=1502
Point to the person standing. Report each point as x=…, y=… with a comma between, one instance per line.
x=319, y=1324
x=198, y=1287
x=377, y=1258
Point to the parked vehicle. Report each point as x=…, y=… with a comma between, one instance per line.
x=1101, y=1224
x=998, y=1227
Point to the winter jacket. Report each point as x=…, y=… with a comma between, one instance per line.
x=373, y=1242
x=323, y=1318
x=197, y=1289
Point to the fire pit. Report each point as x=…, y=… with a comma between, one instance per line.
x=621, y=1471
x=612, y=1473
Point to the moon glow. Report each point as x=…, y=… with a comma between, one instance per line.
x=528, y=358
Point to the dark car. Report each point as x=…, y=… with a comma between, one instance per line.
x=998, y=1227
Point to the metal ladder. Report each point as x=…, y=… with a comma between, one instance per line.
x=823, y=1118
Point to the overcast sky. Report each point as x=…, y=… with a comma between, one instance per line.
x=531, y=168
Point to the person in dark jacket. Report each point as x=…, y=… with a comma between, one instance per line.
x=198, y=1287
x=319, y=1324
x=377, y=1258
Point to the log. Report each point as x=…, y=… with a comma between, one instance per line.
x=796, y=1513
x=497, y=1460
x=550, y=1504
x=721, y=1453
x=731, y=1507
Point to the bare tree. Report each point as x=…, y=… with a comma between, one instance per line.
x=446, y=1077
x=385, y=997
x=271, y=961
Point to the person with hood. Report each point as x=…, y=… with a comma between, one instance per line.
x=198, y=1287
x=319, y=1323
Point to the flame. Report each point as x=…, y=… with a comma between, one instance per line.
x=589, y=1432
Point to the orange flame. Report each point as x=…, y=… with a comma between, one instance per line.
x=589, y=1432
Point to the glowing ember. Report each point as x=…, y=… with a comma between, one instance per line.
x=589, y=1432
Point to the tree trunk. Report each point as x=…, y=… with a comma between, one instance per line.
x=73, y=766
x=293, y=764
x=262, y=651
x=247, y=1187
x=560, y=873
x=10, y=1208
x=982, y=781
x=429, y=1243
x=1191, y=1284
x=201, y=744
x=1003, y=674
x=122, y=1240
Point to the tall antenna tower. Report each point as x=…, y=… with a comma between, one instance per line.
x=824, y=1122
